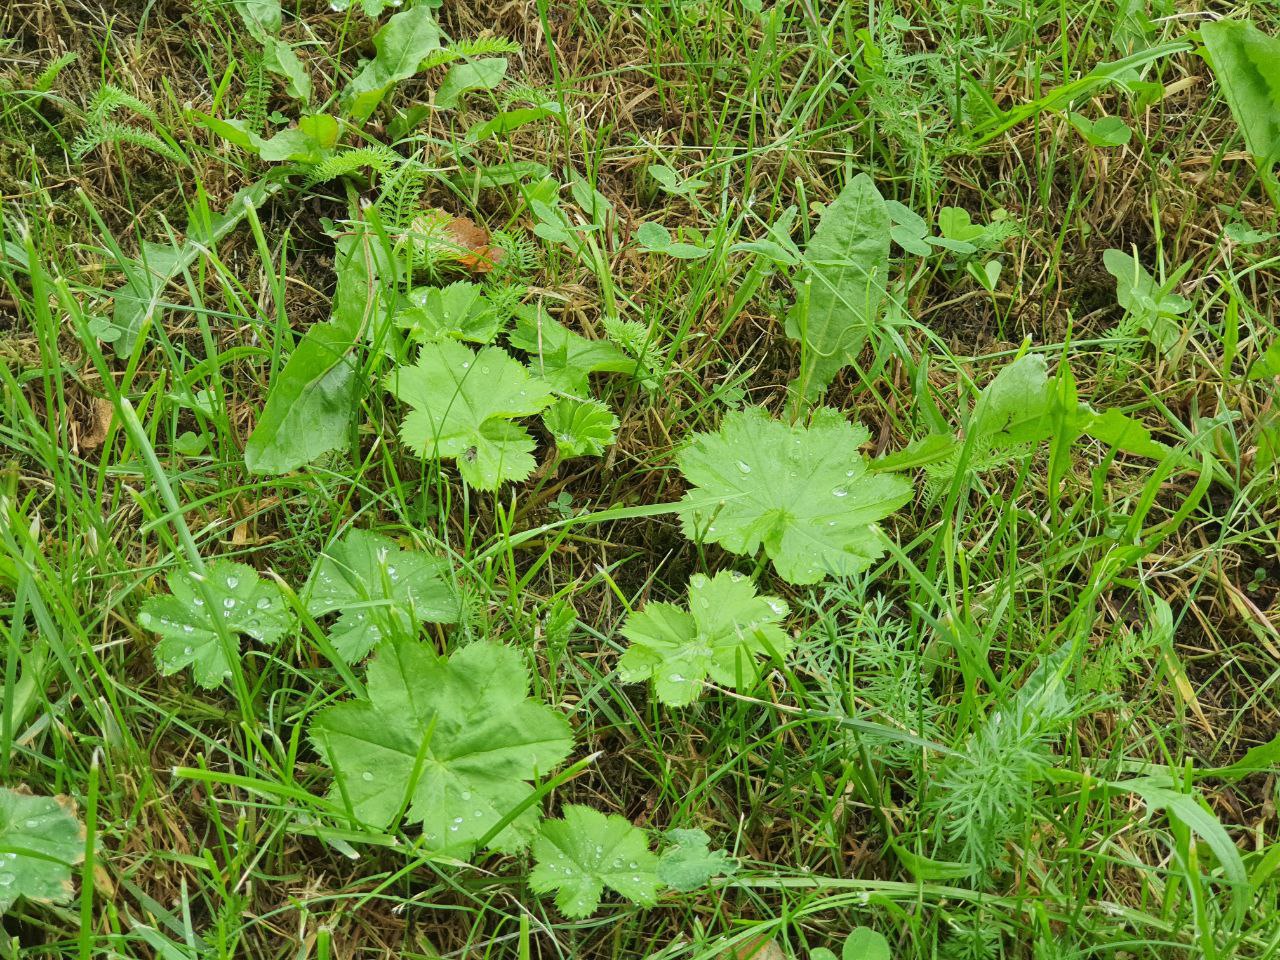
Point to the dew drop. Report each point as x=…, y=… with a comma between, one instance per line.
x=839, y=492
x=187, y=651
x=5, y=879
x=233, y=582
x=229, y=602
x=188, y=628
x=198, y=602
x=744, y=467
x=633, y=865
x=264, y=603
x=32, y=824
x=367, y=776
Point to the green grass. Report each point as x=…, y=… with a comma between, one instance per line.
x=904, y=768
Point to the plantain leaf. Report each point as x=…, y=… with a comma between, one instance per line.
x=845, y=265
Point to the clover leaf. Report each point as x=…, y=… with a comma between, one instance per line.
x=802, y=493
x=462, y=408
x=689, y=863
x=40, y=841
x=380, y=590
x=728, y=626
x=456, y=740
x=580, y=428
x=187, y=618
x=587, y=851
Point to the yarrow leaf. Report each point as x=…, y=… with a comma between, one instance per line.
x=587, y=851
x=379, y=589
x=727, y=626
x=803, y=493
x=40, y=841
x=462, y=408
x=457, y=740
x=243, y=601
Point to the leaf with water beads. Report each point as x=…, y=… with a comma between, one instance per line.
x=802, y=493
x=457, y=740
x=587, y=851
x=379, y=589
x=187, y=618
x=40, y=841
x=727, y=626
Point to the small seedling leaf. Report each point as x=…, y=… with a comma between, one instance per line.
x=726, y=627
x=379, y=589
x=186, y=618
x=580, y=428
x=588, y=851
x=690, y=863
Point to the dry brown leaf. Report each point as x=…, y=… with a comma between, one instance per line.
x=757, y=948
x=459, y=239
x=93, y=429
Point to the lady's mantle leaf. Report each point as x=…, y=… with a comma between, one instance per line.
x=580, y=428
x=40, y=841
x=380, y=590
x=244, y=603
x=564, y=358
x=802, y=493
x=463, y=403
x=456, y=739
x=690, y=862
x=728, y=627
x=587, y=851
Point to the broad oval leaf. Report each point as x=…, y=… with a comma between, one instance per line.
x=846, y=262
x=803, y=494
x=402, y=44
x=1246, y=62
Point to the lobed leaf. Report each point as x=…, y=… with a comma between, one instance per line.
x=241, y=600
x=380, y=591
x=456, y=740
x=461, y=405
x=803, y=494
x=588, y=851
